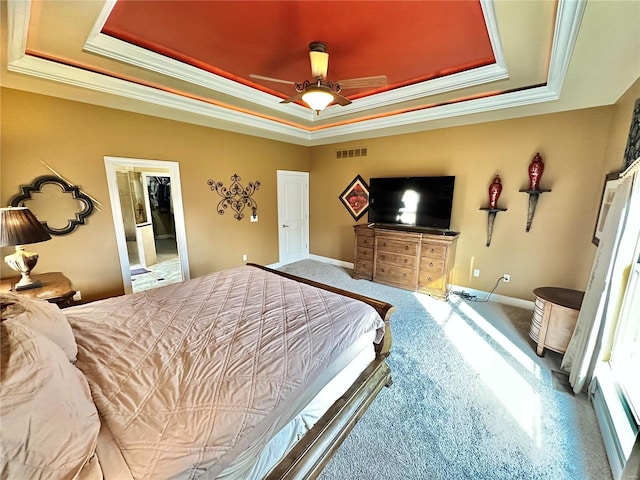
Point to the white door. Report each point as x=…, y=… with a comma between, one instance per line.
x=293, y=216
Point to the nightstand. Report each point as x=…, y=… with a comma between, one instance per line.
x=56, y=288
x=554, y=318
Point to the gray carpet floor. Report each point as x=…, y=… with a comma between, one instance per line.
x=470, y=398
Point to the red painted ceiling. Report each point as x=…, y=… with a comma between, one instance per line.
x=408, y=41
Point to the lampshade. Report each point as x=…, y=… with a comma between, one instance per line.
x=19, y=227
x=319, y=64
x=317, y=97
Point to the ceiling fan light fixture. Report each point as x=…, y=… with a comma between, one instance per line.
x=319, y=64
x=318, y=97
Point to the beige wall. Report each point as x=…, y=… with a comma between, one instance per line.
x=619, y=132
x=73, y=138
x=556, y=251
x=578, y=148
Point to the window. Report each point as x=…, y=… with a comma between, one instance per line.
x=625, y=354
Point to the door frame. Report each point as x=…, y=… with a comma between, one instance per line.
x=111, y=164
x=280, y=199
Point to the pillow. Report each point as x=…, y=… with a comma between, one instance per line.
x=49, y=422
x=41, y=316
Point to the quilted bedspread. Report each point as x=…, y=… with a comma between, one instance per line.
x=186, y=374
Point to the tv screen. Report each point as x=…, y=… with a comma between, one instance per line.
x=416, y=201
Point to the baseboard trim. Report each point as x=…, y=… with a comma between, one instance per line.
x=516, y=302
x=332, y=261
x=481, y=294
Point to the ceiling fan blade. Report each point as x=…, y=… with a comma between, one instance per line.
x=295, y=98
x=363, y=82
x=340, y=100
x=269, y=79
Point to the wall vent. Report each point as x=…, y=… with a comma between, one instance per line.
x=352, y=152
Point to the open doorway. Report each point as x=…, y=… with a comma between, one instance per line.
x=148, y=217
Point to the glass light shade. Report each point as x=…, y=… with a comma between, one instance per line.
x=317, y=97
x=319, y=64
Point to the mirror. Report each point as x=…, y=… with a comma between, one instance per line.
x=60, y=207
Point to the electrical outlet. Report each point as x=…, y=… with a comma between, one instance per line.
x=506, y=277
x=244, y=257
x=476, y=272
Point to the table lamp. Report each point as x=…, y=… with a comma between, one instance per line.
x=19, y=227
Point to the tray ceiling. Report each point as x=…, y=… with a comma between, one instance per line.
x=446, y=62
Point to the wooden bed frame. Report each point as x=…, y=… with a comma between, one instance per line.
x=309, y=456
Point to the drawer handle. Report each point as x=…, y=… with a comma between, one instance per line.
x=406, y=247
x=405, y=260
x=382, y=257
x=431, y=264
x=384, y=244
x=429, y=279
x=433, y=250
x=404, y=275
x=382, y=270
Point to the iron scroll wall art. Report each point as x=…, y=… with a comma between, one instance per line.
x=235, y=196
x=83, y=206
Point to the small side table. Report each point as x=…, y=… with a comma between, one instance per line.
x=56, y=288
x=554, y=317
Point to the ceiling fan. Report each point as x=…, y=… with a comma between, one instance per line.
x=320, y=92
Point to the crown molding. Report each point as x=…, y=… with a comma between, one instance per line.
x=48, y=70
x=568, y=18
x=119, y=50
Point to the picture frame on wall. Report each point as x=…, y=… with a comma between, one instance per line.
x=611, y=182
x=632, y=151
x=355, y=197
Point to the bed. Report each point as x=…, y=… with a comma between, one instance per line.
x=244, y=373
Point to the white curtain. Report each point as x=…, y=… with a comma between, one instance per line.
x=582, y=351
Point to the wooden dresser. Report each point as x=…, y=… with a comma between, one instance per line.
x=409, y=258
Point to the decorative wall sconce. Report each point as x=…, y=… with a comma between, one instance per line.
x=495, y=189
x=236, y=196
x=536, y=167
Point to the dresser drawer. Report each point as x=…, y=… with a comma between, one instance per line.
x=432, y=265
x=388, y=258
x=365, y=253
x=396, y=246
x=431, y=281
x=394, y=275
x=366, y=241
x=434, y=251
x=364, y=269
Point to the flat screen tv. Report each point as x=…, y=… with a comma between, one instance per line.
x=416, y=201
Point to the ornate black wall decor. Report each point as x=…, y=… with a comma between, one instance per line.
x=236, y=196
x=85, y=204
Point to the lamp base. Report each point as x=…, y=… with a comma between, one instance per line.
x=34, y=284
x=23, y=262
